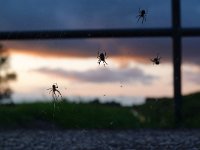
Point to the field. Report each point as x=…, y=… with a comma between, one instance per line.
x=155, y=113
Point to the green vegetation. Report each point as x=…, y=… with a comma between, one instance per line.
x=67, y=115
x=158, y=113
x=155, y=113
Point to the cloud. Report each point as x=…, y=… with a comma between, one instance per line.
x=125, y=49
x=134, y=75
x=92, y=14
x=55, y=48
x=191, y=77
x=191, y=51
x=129, y=47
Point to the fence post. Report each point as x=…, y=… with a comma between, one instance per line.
x=177, y=59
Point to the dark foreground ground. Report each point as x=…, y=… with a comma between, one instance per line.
x=99, y=139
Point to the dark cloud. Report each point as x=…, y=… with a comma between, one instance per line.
x=130, y=47
x=134, y=75
x=84, y=14
x=55, y=48
x=191, y=50
x=143, y=48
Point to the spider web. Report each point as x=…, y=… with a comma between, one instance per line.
x=56, y=99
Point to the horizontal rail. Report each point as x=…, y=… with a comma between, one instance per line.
x=188, y=32
x=70, y=34
x=100, y=33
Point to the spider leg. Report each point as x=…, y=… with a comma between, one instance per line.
x=59, y=93
x=152, y=61
x=56, y=85
x=50, y=91
x=138, y=18
x=105, y=63
x=157, y=55
x=142, y=20
x=105, y=54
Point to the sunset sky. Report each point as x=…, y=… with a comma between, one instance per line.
x=72, y=64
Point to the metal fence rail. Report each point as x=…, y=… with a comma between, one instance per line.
x=98, y=33
x=104, y=33
x=175, y=32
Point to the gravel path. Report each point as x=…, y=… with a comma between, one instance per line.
x=100, y=140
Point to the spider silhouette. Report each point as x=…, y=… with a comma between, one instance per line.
x=156, y=60
x=54, y=91
x=102, y=57
x=142, y=14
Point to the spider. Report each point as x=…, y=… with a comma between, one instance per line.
x=142, y=14
x=156, y=60
x=54, y=90
x=102, y=57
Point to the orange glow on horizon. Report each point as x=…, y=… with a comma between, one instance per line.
x=42, y=52
x=25, y=62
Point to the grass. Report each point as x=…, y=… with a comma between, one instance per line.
x=68, y=115
x=156, y=113
x=159, y=113
x=153, y=114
